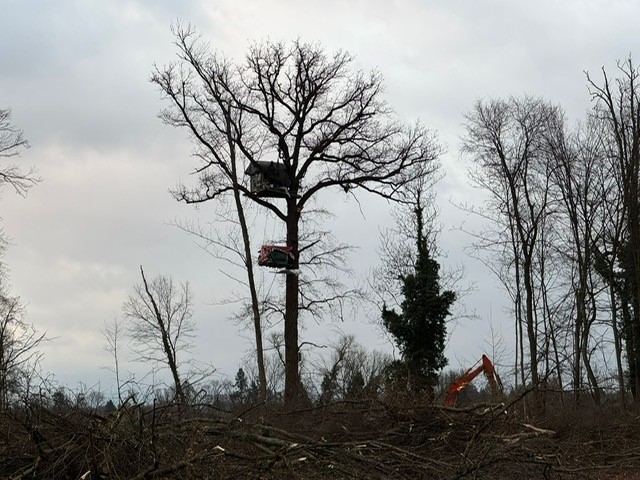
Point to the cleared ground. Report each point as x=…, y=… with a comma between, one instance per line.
x=349, y=440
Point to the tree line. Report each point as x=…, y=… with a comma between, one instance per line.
x=563, y=231
x=562, y=211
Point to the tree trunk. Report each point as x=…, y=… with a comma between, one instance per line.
x=291, y=347
x=617, y=341
x=634, y=239
x=531, y=320
x=255, y=304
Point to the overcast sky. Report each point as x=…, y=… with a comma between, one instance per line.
x=76, y=75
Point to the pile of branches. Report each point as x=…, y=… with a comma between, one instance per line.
x=358, y=439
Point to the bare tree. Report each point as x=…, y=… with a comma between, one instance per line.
x=607, y=249
x=161, y=324
x=617, y=108
x=331, y=370
x=506, y=141
x=19, y=342
x=578, y=168
x=113, y=335
x=350, y=371
x=12, y=142
x=303, y=109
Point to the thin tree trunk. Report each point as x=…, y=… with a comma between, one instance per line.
x=255, y=304
x=531, y=320
x=519, y=361
x=617, y=342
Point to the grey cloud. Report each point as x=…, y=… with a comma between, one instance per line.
x=76, y=75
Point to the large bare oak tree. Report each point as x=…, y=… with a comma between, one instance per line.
x=296, y=105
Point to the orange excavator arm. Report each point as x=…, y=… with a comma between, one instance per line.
x=467, y=377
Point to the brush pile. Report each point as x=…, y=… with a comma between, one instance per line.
x=347, y=440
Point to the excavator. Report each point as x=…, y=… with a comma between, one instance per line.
x=467, y=377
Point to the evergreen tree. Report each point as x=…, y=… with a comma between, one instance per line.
x=419, y=329
x=241, y=384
